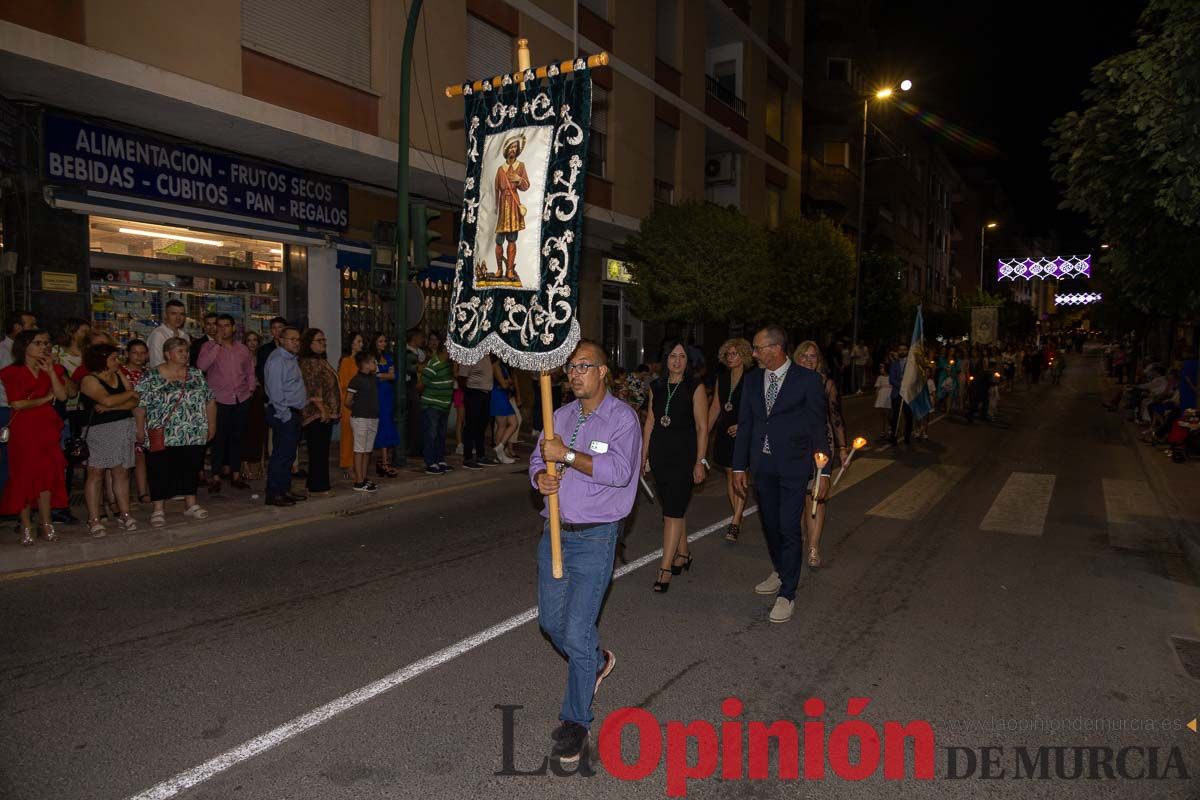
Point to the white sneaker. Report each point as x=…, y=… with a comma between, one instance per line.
x=502, y=456
x=782, y=611
x=770, y=585
x=458, y=451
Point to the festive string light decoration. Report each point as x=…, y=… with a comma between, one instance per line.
x=1078, y=299
x=1061, y=267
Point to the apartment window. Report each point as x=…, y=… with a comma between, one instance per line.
x=778, y=15
x=667, y=32
x=332, y=39
x=776, y=98
x=598, y=137
x=664, y=162
x=837, y=69
x=774, y=207
x=837, y=154
x=597, y=7
x=489, y=50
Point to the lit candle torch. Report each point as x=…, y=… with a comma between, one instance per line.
x=858, y=444
x=821, y=460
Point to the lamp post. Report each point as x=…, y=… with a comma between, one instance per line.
x=882, y=94
x=983, y=229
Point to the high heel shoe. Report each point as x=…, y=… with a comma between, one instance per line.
x=47, y=532
x=661, y=586
x=26, y=536
x=686, y=566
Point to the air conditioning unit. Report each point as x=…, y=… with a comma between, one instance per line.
x=720, y=169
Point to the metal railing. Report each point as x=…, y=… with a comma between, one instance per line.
x=723, y=95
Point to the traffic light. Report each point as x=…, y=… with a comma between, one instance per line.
x=420, y=216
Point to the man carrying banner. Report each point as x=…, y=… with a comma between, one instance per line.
x=595, y=475
x=914, y=387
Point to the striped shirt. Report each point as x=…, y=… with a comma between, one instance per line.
x=439, y=383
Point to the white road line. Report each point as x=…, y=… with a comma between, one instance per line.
x=260, y=744
x=860, y=470
x=920, y=494
x=1022, y=505
x=1135, y=517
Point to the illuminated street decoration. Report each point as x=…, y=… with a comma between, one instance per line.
x=1060, y=267
x=1078, y=299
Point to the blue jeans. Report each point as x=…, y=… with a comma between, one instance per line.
x=568, y=608
x=285, y=438
x=433, y=429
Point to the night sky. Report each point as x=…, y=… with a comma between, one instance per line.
x=1004, y=71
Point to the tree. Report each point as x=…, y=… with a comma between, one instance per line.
x=810, y=282
x=696, y=262
x=881, y=300
x=1131, y=160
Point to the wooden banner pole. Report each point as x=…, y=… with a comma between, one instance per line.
x=546, y=386
x=598, y=60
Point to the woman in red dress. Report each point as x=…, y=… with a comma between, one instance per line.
x=36, y=461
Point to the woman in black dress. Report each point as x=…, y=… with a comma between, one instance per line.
x=673, y=441
x=736, y=355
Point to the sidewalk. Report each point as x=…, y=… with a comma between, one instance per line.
x=1175, y=485
x=233, y=514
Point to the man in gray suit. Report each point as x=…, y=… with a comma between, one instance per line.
x=781, y=425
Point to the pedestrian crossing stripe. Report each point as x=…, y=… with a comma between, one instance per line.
x=1134, y=515
x=918, y=496
x=860, y=470
x=1022, y=505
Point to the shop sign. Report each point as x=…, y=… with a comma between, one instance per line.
x=60, y=282
x=617, y=271
x=125, y=162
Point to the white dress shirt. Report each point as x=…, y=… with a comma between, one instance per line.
x=157, y=338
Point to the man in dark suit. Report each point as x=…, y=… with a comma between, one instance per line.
x=781, y=425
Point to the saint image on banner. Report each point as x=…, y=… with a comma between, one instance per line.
x=509, y=220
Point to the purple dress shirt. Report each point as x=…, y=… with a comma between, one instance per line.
x=612, y=436
x=230, y=371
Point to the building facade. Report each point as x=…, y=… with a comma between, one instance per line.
x=241, y=154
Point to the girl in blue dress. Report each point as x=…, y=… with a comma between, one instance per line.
x=387, y=437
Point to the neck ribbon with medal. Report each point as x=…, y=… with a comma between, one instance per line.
x=672, y=388
x=729, y=399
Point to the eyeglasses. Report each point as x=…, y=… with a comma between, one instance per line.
x=581, y=368
x=757, y=347
x=808, y=356
x=319, y=339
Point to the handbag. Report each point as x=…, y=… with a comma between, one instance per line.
x=158, y=436
x=76, y=447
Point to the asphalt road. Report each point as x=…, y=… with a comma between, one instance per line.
x=1012, y=584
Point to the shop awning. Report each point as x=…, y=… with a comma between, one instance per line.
x=110, y=205
x=353, y=255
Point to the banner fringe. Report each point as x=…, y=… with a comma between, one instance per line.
x=532, y=362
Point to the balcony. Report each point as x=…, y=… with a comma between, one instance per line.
x=725, y=107
x=664, y=192
x=722, y=95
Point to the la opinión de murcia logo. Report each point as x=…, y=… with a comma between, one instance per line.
x=852, y=750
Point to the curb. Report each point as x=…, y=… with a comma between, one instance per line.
x=1187, y=531
x=226, y=527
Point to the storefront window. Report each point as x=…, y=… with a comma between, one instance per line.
x=127, y=299
x=126, y=238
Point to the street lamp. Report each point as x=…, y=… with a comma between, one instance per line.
x=983, y=229
x=881, y=94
